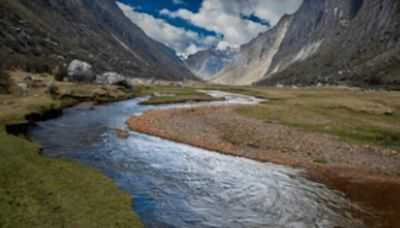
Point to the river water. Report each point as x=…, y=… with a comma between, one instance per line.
x=176, y=185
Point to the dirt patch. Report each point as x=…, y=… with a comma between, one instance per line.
x=122, y=133
x=366, y=174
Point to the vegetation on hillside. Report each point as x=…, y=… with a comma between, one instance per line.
x=4, y=81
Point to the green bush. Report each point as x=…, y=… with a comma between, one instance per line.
x=52, y=89
x=60, y=72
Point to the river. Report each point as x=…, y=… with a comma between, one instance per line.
x=176, y=185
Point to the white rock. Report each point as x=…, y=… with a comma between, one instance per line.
x=135, y=81
x=345, y=23
x=80, y=71
x=109, y=78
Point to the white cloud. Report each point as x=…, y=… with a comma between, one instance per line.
x=226, y=17
x=184, y=42
x=223, y=45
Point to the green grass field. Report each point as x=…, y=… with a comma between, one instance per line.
x=356, y=116
x=37, y=191
x=173, y=94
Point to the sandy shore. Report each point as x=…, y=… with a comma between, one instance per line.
x=366, y=174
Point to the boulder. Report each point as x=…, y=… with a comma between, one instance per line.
x=80, y=71
x=110, y=78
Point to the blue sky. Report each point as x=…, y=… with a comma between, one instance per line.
x=188, y=26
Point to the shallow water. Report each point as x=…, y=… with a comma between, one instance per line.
x=176, y=185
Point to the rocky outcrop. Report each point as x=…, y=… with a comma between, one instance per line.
x=207, y=63
x=352, y=42
x=39, y=35
x=110, y=78
x=79, y=71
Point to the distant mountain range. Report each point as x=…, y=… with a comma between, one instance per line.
x=37, y=35
x=205, y=64
x=352, y=42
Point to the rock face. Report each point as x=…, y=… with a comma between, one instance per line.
x=207, y=63
x=255, y=58
x=352, y=42
x=110, y=78
x=41, y=34
x=79, y=71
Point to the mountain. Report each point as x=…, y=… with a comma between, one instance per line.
x=37, y=35
x=254, y=58
x=207, y=63
x=352, y=42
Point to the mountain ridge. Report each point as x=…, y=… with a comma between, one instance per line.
x=43, y=33
x=209, y=62
x=327, y=42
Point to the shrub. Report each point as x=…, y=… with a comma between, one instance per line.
x=52, y=89
x=374, y=80
x=60, y=72
x=5, y=82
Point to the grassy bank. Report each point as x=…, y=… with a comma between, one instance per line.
x=173, y=94
x=37, y=191
x=365, y=117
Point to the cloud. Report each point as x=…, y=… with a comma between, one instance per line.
x=231, y=18
x=223, y=45
x=235, y=22
x=183, y=41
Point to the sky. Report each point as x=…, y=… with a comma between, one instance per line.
x=189, y=26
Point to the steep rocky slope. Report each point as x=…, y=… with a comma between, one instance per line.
x=254, y=58
x=353, y=42
x=38, y=34
x=207, y=63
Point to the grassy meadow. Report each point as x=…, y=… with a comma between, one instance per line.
x=367, y=117
x=37, y=191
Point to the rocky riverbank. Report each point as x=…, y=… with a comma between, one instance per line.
x=368, y=174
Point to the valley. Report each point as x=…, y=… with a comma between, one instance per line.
x=345, y=139
x=178, y=113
